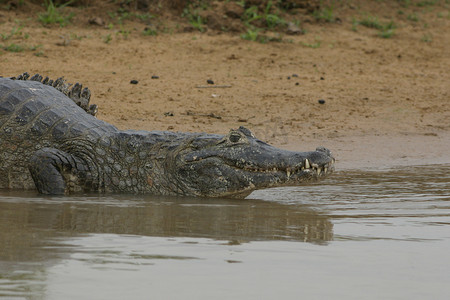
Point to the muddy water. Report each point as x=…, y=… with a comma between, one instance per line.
x=357, y=235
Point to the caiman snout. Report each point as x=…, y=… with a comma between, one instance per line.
x=322, y=156
x=324, y=150
x=312, y=165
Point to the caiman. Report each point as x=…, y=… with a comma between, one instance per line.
x=51, y=141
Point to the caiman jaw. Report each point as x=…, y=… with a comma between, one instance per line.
x=302, y=172
x=306, y=166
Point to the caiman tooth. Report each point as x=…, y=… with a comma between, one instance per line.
x=319, y=170
x=315, y=166
x=325, y=170
x=288, y=172
x=307, y=165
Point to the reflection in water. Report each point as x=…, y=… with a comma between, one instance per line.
x=27, y=222
x=33, y=230
x=52, y=246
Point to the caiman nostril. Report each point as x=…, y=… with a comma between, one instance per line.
x=323, y=149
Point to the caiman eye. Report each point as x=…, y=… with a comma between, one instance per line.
x=234, y=137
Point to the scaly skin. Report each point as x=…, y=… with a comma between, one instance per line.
x=49, y=143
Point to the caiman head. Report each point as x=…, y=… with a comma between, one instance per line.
x=238, y=163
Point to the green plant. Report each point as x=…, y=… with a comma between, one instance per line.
x=255, y=36
x=13, y=47
x=251, y=35
x=14, y=31
x=404, y=3
x=250, y=15
x=371, y=22
x=74, y=36
x=191, y=12
x=386, y=30
x=149, y=31
x=269, y=19
x=39, y=53
x=426, y=38
x=144, y=17
x=355, y=24
x=107, y=38
x=112, y=14
x=197, y=22
x=124, y=32
x=317, y=43
x=257, y=21
x=325, y=14
x=34, y=48
x=413, y=17
x=53, y=14
x=426, y=3
x=386, y=33
x=121, y=15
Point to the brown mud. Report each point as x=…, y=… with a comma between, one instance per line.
x=386, y=100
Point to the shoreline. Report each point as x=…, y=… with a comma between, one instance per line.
x=381, y=152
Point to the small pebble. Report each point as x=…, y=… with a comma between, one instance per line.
x=289, y=77
x=321, y=101
x=294, y=75
x=209, y=81
x=322, y=78
x=297, y=83
x=155, y=77
x=134, y=81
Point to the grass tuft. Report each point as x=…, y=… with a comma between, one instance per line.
x=325, y=14
x=53, y=14
x=386, y=30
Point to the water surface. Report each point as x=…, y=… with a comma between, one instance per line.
x=356, y=235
